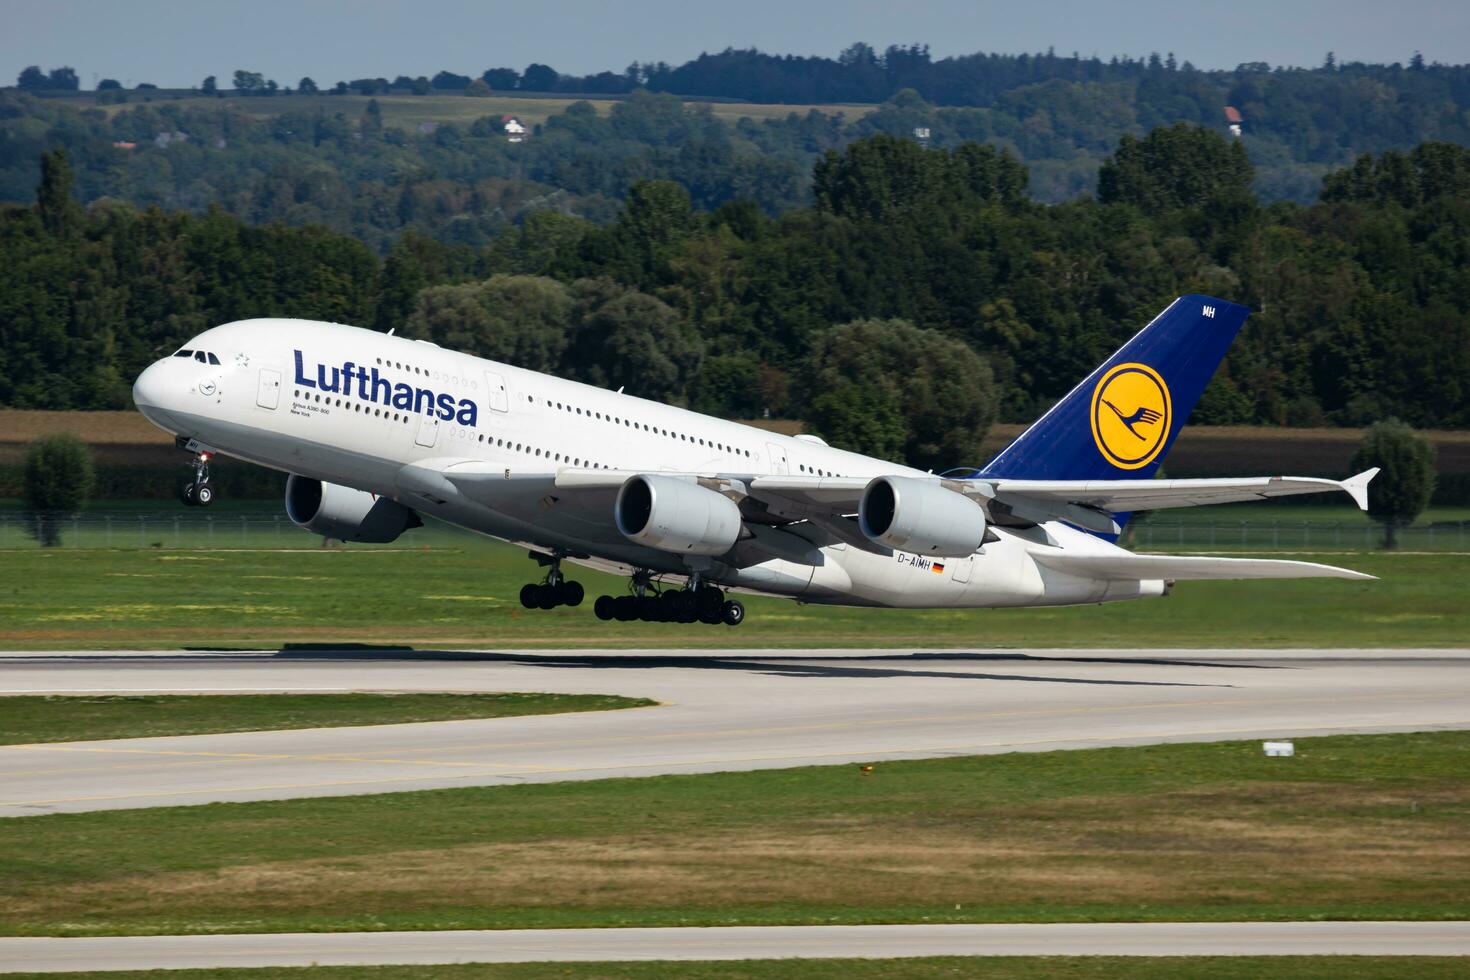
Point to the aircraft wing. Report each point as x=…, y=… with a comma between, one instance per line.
x=1124, y=496
x=827, y=501
x=1187, y=567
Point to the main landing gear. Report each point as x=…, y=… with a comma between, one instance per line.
x=650, y=604
x=555, y=590
x=198, y=492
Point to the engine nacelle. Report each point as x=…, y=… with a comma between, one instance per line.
x=345, y=514
x=920, y=516
x=676, y=515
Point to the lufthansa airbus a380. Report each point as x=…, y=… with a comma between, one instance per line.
x=374, y=430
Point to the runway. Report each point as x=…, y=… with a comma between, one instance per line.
x=719, y=711
x=739, y=943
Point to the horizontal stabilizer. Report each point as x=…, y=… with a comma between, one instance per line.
x=1182, y=568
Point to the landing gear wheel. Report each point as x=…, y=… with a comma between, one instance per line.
x=707, y=604
x=530, y=596
x=548, y=596
x=572, y=593
x=604, y=608
x=198, y=492
x=733, y=613
x=625, y=608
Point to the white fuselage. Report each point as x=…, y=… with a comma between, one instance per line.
x=279, y=397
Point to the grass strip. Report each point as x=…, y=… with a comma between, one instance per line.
x=1352, y=827
x=466, y=596
x=924, y=968
x=55, y=718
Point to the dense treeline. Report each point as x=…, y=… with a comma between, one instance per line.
x=336, y=161
x=355, y=175
x=1000, y=304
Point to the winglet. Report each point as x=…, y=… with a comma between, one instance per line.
x=1357, y=487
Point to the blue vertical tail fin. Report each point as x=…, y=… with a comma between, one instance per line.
x=1119, y=423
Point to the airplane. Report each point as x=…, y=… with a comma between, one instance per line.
x=375, y=430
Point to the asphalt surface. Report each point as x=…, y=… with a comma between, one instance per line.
x=720, y=711
x=740, y=943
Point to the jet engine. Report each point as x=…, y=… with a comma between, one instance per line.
x=676, y=515
x=345, y=514
x=920, y=516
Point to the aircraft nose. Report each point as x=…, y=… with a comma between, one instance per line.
x=151, y=393
x=148, y=390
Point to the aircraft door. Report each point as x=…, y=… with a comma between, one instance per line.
x=496, y=394
x=962, y=568
x=778, y=459
x=428, y=431
x=268, y=392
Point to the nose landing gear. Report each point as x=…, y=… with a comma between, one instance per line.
x=555, y=590
x=198, y=492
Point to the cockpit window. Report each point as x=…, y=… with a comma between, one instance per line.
x=212, y=358
x=199, y=356
x=184, y=353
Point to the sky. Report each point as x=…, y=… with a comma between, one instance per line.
x=176, y=43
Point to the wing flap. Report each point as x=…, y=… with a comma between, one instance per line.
x=799, y=497
x=1181, y=568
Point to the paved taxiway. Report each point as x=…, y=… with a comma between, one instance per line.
x=741, y=942
x=720, y=710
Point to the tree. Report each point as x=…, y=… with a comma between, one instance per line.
x=63, y=79
x=450, y=81
x=32, y=79
x=624, y=338
x=889, y=388
x=1405, y=482
x=477, y=88
x=501, y=79
x=372, y=121
x=539, y=78
x=522, y=320
x=58, y=479
x=109, y=85
x=1173, y=167
x=307, y=86
x=60, y=213
x=249, y=82
x=209, y=86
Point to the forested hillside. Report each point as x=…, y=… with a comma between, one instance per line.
x=923, y=291
x=381, y=156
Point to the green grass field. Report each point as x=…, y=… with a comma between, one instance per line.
x=928, y=968
x=462, y=591
x=1351, y=828
x=410, y=110
x=49, y=718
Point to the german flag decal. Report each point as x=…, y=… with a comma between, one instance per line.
x=937, y=568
